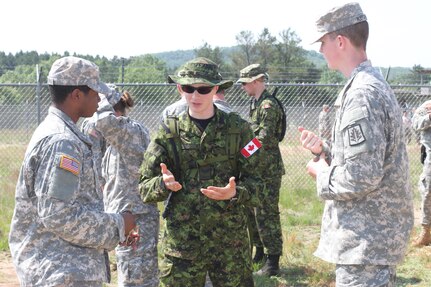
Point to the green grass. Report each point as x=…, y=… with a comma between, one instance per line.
x=301, y=213
x=10, y=162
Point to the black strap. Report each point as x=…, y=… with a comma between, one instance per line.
x=283, y=118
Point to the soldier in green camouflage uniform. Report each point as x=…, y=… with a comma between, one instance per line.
x=266, y=117
x=198, y=170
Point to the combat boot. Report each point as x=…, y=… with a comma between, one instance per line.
x=271, y=267
x=258, y=256
x=424, y=237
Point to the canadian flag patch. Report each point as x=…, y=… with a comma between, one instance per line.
x=251, y=148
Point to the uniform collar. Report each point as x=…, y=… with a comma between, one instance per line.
x=362, y=66
x=69, y=123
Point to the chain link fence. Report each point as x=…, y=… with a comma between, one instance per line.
x=23, y=106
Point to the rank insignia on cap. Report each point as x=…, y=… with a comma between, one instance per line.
x=251, y=148
x=356, y=136
x=69, y=164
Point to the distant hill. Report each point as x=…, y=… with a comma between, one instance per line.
x=316, y=58
x=174, y=59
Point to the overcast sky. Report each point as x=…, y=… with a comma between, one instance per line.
x=399, y=30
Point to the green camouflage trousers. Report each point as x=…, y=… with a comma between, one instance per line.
x=228, y=265
x=265, y=227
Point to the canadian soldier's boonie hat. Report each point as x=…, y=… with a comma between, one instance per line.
x=200, y=71
x=338, y=18
x=74, y=71
x=251, y=73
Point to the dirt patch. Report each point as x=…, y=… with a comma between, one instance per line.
x=7, y=271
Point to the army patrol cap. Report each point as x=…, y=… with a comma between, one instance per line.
x=200, y=71
x=251, y=73
x=74, y=71
x=338, y=18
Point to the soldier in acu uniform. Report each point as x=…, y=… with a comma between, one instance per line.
x=325, y=123
x=202, y=164
x=266, y=116
x=59, y=230
x=364, y=177
x=422, y=124
x=127, y=141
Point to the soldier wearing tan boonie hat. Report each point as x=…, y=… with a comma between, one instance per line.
x=266, y=117
x=339, y=18
x=251, y=73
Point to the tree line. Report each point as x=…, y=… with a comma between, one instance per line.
x=282, y=55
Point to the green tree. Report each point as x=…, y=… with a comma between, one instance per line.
x=420, y=75
x=145, y=69
x=207, y=51
x=265, y=48
x=290, y=63
x=331, y=77
x=245, y=55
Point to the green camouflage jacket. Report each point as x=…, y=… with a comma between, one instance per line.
x=192, y=216
x=266, y=116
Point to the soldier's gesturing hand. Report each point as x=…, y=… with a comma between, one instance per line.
x=221, y=193
x=315, y=165
x=310, y=141
x=169, y=179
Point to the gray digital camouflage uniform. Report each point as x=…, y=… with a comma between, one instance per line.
x=422, y=123
x=98, y=145
x=127, y=141
x=265, y=117
x=59, y=230
x=325, y=125
x=211, y=235
x=368, y=213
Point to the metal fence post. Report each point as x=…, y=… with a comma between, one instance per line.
x=38, y=88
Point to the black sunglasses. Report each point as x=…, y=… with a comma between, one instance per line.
x=201, y=90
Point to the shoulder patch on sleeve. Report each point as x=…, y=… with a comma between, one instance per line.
x=266, y=106
x=251, y=147
x=356, y=136
x=69, y=164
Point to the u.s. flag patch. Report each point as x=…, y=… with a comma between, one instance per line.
x=251, y=148
x=69, y=164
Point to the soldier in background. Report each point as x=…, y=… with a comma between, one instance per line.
x=98, y=146
x=202, y=164
x=422, y=125
x=325, y=123
x=127, y=141
x=266, y=116
x=408, y=127
x=59, y=230
x=364, y=177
